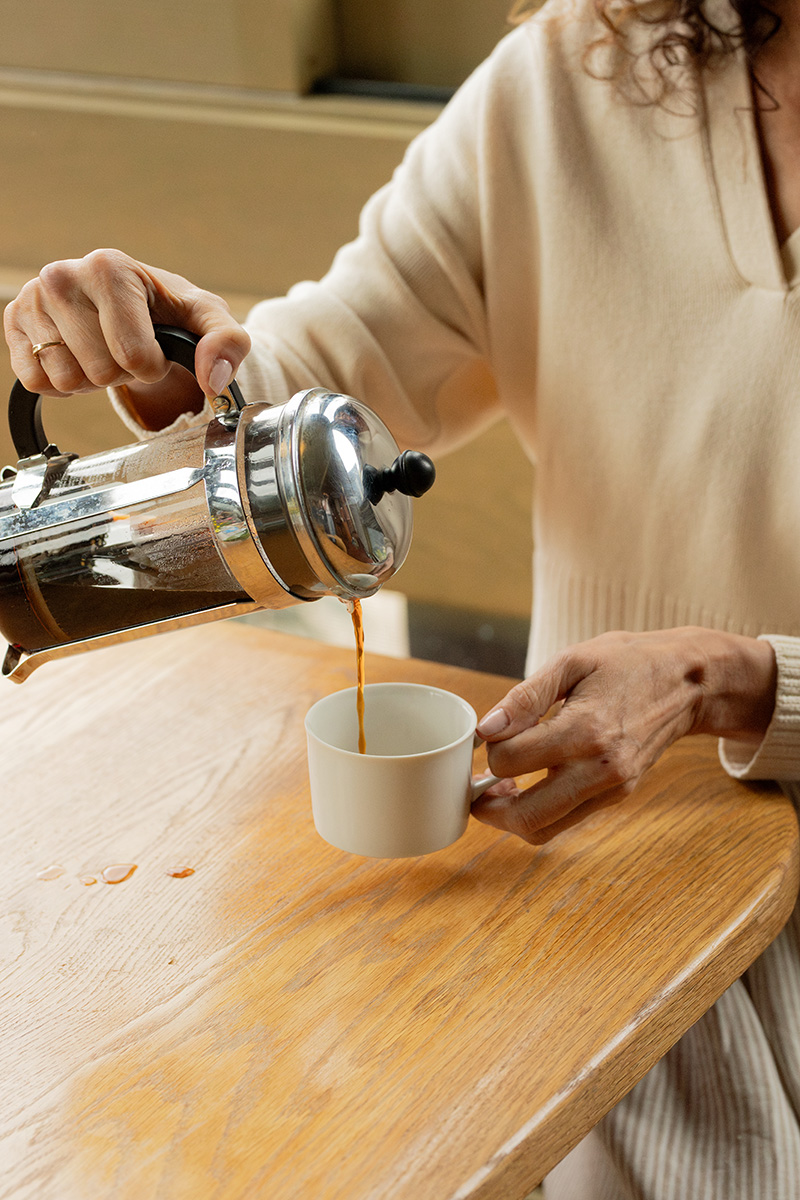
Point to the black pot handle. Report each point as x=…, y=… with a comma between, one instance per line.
x=25, y=408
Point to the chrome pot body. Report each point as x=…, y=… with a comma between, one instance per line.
x=263, y=507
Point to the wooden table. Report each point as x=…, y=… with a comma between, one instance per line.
x=294, y=1022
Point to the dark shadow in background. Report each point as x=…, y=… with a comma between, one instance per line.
x=463, y=638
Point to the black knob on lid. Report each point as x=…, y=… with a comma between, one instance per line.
x=411, y=473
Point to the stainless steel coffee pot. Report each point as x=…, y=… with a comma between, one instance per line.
x=263, y=507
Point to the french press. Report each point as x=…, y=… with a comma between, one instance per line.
x=262, y=507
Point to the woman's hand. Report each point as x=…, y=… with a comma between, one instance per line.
x=626, y=697
x=103, y=307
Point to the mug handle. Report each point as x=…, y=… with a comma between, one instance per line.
x=25, y=408
x=480, y=783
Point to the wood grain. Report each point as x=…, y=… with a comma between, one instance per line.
x=291, y=1021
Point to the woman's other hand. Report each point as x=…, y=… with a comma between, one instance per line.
x=103, y=307
x=626, y=697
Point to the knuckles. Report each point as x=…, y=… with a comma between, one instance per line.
x=138, y=357
x=241, y=339
x=524, y=704
x=63, y=277
x=507, y=759
x=57, y=279
x=620, y=769
x=619, y=758
x=106, y=374
x=614, y=756
x=20, y=302
x=528, y=826
x=105, y=264
x=597, y=738
x=68, y=379
x=30, y=376
x=200, y=298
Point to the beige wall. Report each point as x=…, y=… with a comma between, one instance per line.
x=138, y=134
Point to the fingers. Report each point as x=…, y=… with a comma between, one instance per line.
x=223, y=342
x=39, y=326
x=114, y=329
x=223, y=345
x=103, y=307
x=61, y=304
x=529, y=701
x=591, y=754
x=582, y=731
x=565, y=797
x=626, y=697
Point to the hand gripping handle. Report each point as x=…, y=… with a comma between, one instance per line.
x=25, y=408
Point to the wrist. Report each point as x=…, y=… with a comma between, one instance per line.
x=738, y=679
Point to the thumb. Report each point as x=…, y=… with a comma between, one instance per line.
x=223, y=342
x=222, y=347
x=527, y=702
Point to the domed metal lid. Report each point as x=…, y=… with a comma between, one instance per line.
x=344, y=494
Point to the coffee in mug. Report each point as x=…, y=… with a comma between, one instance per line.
x=411, y=792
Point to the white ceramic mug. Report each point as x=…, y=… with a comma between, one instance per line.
x=411, y=792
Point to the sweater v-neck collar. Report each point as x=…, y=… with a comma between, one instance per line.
x=738, y=175
x=790, y=254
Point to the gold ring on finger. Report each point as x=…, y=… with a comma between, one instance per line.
x=40, y=346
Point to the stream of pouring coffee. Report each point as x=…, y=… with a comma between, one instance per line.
x=358, y=626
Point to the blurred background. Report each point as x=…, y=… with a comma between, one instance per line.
x=235, y=141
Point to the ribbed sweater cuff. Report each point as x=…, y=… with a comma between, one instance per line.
x=260, y=378
x=120, y=402
x=778, y=756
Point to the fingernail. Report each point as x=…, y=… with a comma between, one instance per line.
x=493, y=722
x=220, y=376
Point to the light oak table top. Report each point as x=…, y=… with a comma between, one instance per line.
x=294, y=1022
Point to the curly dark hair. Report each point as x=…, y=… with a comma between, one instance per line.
x=682, y=33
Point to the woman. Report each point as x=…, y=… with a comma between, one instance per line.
x=598, y=238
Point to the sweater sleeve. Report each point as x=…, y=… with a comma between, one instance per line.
x=778, y=755
x=400, y=321
x=123, y=406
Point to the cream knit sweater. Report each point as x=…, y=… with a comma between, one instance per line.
x=608, y=276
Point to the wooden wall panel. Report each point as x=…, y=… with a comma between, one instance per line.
x=245, y=197
x=264, y=44
x=260, y=44
x=415, y=41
